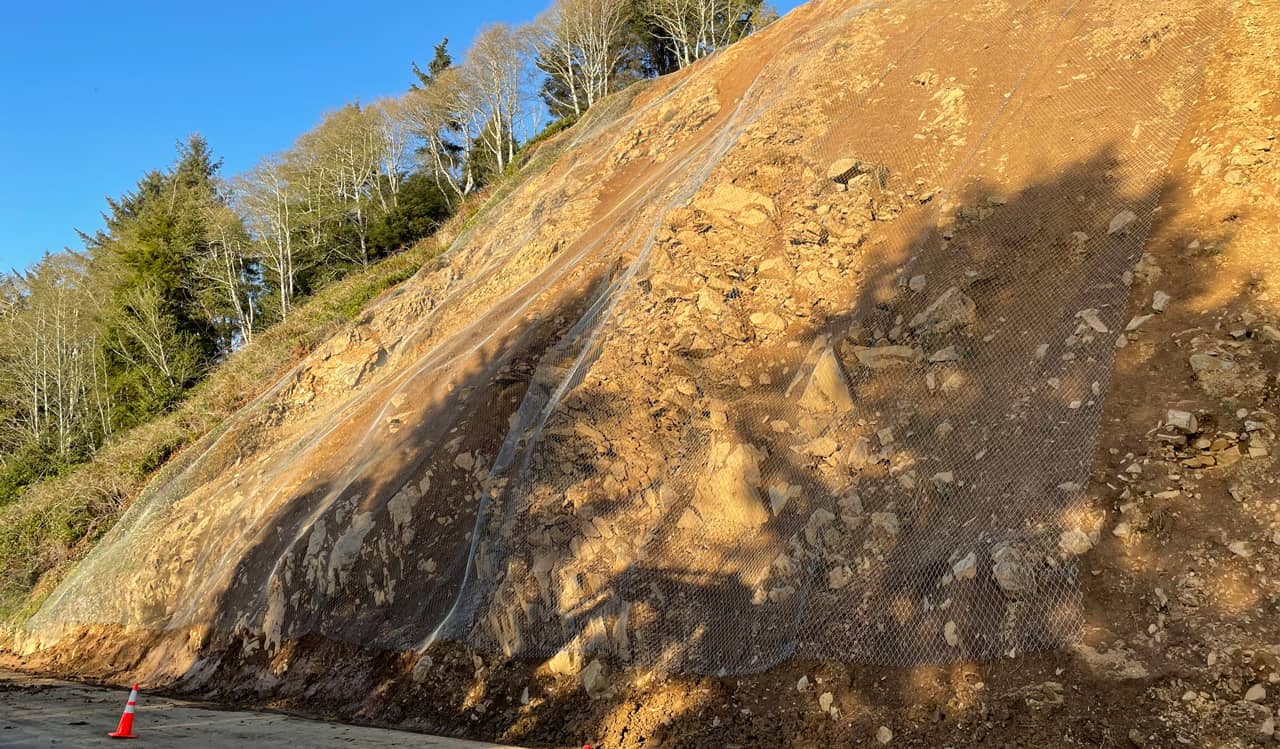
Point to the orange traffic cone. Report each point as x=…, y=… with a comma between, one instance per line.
x=125, y=729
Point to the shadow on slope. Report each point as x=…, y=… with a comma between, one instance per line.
x=1031, y=279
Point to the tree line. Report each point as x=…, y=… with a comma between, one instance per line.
x=191, y=264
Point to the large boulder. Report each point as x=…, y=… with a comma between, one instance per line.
x=730, y=489
x=738, y=204
x=827, y=388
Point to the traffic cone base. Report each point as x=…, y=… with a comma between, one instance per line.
x=125, y=728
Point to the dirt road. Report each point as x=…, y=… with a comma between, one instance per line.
x=37, y=712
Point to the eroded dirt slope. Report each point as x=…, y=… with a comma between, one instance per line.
x=906, y=372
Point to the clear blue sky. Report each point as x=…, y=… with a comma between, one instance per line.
x=96, y=93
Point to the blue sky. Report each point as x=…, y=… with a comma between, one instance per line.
x=96, y=93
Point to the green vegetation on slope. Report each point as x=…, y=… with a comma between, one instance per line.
x=54, y=521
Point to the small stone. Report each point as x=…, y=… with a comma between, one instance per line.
x=884, y=357
x=524, y=696
x=769, y=321
x=951, y=633
x=859, y=455
x=592, y=678
x=966, y=568
x=1008, y=569
x=1137, y=322
x=886, y=522
x=823, y=447
x=827, y=387
x=825, y=700
x=1093, y=320
x=951, y=310
x=1183, y=421
x=884, y=735
x=779, y=494
x=1204, y=363
x=710, y=302
x=942, y=355
x=1042, y=351
x=842, y=170
x=781, y=593
x=1121, y=221
x=803, y=684
x=1268, y=727
x=1270, y=334
x=916, y=283
x=839, y=577
x=1256, y=693
x=1074, y=542
x=1160, y=300
x=1240, y=549
x=1136, y=738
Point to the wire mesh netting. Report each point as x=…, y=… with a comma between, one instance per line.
x=801, y=355
x=931, y=509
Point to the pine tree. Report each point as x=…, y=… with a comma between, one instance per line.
x=440, y=62
x=158, y=335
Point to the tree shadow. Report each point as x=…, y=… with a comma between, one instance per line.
x=1023, y=422
x=994, y=426
x=688, y=589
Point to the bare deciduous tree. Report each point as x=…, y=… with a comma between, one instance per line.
x=580, y=45
x=494, y=73
x=156, y=351
x=221, y=270
x=266, y=201
x=696, y=28
x=439, y=117
x=393, y=132
x=51, y=391
x=346, y=151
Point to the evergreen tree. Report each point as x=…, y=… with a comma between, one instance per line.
x=440, y=62
x=421, y=208
x=158, y=336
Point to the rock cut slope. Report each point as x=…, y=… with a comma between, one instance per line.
x=798, y=355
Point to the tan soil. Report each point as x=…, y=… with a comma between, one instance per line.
x=398, y=421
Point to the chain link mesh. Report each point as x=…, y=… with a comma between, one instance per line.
x=855, y=429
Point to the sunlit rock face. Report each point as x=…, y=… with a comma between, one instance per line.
x=801, y=351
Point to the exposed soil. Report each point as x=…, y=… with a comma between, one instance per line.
x=316, y=548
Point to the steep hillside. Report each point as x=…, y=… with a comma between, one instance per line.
x=905, y=372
